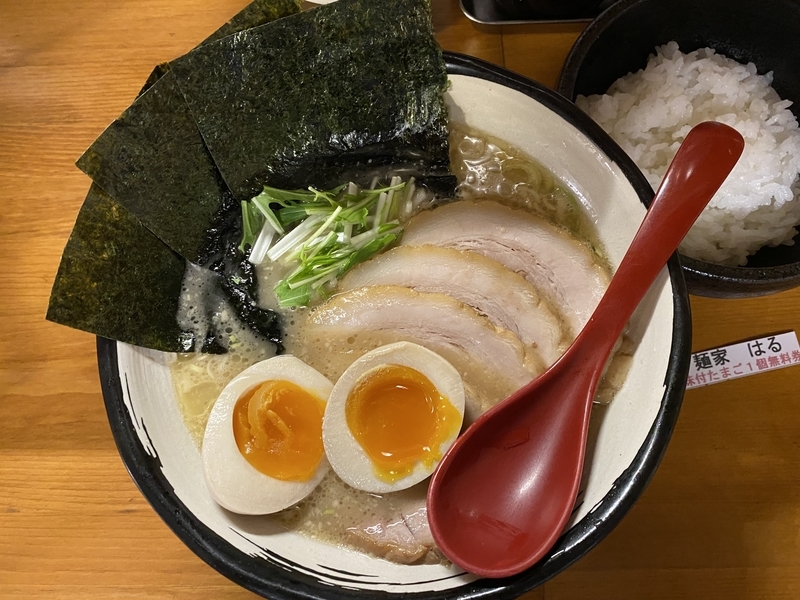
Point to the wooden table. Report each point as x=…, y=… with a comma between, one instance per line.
x=721, y=520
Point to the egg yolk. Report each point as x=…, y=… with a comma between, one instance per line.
x=399, y=419
x=278, y=429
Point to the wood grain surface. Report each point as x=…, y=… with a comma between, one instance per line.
x=721, y=519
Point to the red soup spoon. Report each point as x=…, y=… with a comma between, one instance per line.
x=505, y=490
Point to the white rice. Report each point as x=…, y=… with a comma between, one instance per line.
x=650, y=112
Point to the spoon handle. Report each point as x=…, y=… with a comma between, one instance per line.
x=717, y=147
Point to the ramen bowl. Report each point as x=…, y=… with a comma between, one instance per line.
x=620, y=41
x=629, y=436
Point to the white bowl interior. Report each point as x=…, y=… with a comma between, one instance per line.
x=616, y=209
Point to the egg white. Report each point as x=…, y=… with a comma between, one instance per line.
x=232, y=481
x=346, y=456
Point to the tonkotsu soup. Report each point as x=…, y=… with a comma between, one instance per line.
x=496, y=182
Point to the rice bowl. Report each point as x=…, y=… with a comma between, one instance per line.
x=620, y=40
x=649, y=113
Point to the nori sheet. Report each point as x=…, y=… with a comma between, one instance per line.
x=155, y=164
x=254, y=14
x=153, y=161
x=158, y=72
x=303, y=99
x=118, y=280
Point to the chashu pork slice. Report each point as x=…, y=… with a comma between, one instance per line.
x=492, y=361
x=561, y=267
x=400, y=534
x=507, y=299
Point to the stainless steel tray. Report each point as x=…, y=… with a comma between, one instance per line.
x=486, y=12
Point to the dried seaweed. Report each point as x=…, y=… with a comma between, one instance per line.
x=360, y=83
x=255, y=14
x=116, y=278
x=375, y=101
x=99, y=286
x=153, y=161
x=158, y=72
x=238, y=279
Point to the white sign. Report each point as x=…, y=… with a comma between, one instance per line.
x=743, y=359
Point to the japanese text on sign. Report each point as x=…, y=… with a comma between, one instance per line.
x=745, y=358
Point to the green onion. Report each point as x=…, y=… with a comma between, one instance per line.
x=251, y=224
x=320, y=234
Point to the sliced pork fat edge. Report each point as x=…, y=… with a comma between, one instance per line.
x=507, y=299
x=491, y=360
x=563, y=268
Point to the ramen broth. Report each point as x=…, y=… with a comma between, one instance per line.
x=486, y=168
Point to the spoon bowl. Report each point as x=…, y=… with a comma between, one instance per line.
x=505, y=490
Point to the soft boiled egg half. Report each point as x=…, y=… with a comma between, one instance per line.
x=391, y=417
x=262, y=448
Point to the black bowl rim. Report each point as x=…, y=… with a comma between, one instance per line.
x=279, y=583
x=721, y=281
x=703, y=278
